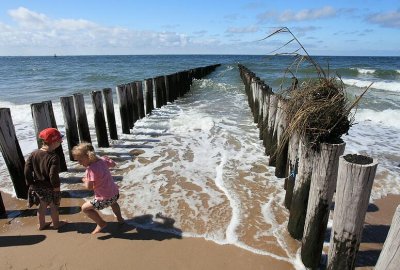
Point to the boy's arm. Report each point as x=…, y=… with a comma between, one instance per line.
x=28, y=171
x=54, y=173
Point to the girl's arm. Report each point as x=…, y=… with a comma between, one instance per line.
x=88, y=184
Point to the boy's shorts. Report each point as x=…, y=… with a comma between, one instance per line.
x=101, y=204
x=45, y=194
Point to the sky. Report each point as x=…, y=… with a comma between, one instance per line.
x=123, y=27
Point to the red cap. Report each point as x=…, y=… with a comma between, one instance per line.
x=50, y=135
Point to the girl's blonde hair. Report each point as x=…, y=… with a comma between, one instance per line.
x=84, y=148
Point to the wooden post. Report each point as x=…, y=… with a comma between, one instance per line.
x=139, y=88
x=12, y=153
x=99, y=119
x=3, y=211
x=123, y=109
x=293, y=164
x=129, y=106
x=323, y=184
x=159, y=83
x=298, y=206
x=282, y=147
x=81, y=118
x=353, y=188
x=149, y=96
x=168, y=87
x=71, y=130
x=389, y=259
x=135, y=105
x=270, y=146
x=108, y=100
x=43, y=117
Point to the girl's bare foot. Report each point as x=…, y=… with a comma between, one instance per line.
x=99, y=228
x=45, y=226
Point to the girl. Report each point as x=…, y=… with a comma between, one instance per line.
x=99, y=179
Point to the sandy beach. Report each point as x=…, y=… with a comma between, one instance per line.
x=126, y=247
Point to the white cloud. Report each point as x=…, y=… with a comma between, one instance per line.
x=242, y=30
x=389, y=19
x=302, y=15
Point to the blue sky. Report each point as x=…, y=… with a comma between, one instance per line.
x=92, y=27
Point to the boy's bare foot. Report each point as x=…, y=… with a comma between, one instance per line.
x=99, y=228
x=44, y=227
x=60, y=224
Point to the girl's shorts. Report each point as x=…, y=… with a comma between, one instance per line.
x=101, y=204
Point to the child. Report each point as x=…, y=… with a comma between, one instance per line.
x=98, y=178
x=41, y=175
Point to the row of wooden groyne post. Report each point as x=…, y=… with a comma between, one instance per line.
x=134, y=104
x=311, y=179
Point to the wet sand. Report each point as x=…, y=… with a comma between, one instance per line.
x=126, y=247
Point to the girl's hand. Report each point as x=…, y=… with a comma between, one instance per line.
x=84, y=180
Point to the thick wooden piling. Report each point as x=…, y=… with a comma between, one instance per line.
x=123, y=109
x=43, y=117
x=169, y=87
x=71, y=130
x=2, y=207
x=12, y=154
x=129, y=100
x=135, y=105
x=81, y=118
x=293, y=164
x=271, y=147
x=323, y=184
x=139, y=88
x=282, y=145
x=112, y=126
x=298, y=206
x=353, y=189
x=99, y=119
x=149, y=96
x=389, y=259
x=159, y=86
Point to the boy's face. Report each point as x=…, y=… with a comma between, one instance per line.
x=82, y=160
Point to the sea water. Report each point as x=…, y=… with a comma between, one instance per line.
x=203, y=163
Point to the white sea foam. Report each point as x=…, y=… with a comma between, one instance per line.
x=393, y=86
x=365, y=70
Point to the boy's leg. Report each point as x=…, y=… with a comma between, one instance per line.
x=89, y=210
x=55, y=216
x=117, y=212
x=41, y=214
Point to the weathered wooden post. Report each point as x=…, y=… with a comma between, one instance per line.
x=43, y=117
x=298, y=206
x=123, y=109
x=168, y=87
x=135, y=105
x=139, y=88
x=108, y=100
x=149, y=95
x=71, y=130
x=129, y=105
x=12, y=154
x=270, y=146
x=3, y=211
x=159, y=84
x=323, y=184
x=99, y=119
x=353, y=189
x=293, y=164
x=282, y=145
x=389, y=259
x=81, y=118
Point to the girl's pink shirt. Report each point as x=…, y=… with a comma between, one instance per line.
x=103, y=183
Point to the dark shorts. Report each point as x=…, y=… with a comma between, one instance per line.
x=101, y=204
x=48, y=195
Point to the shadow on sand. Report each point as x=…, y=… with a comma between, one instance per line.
x=21, y=240
x=143, y=227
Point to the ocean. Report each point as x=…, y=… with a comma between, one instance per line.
x=203, y=163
